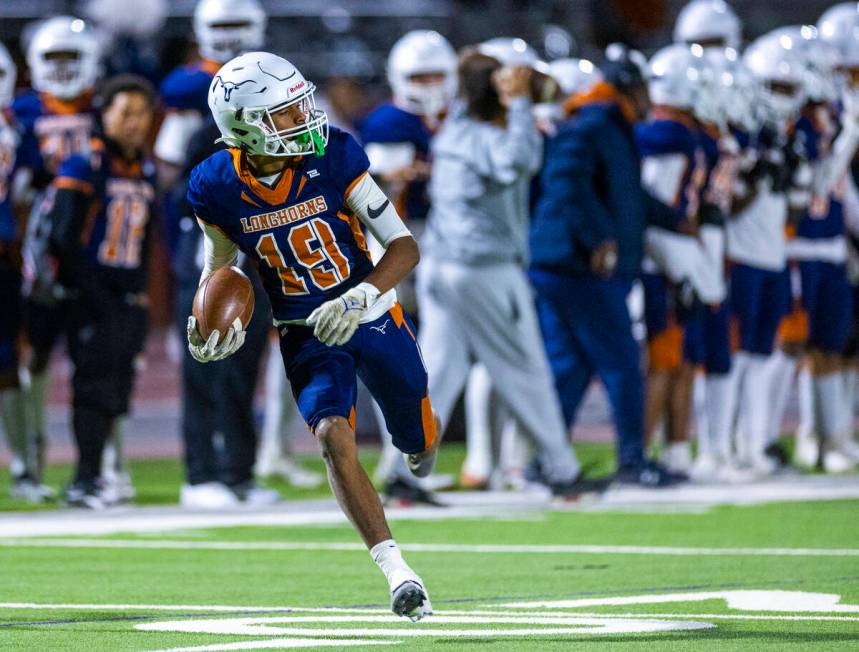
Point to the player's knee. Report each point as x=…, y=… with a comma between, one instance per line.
x=336, y=438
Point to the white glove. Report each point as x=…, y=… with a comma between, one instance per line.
x=209, y=350
x=335, y=321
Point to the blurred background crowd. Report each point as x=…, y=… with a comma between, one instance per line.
x=687, y=235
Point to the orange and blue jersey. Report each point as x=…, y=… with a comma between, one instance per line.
x=309, y=244
x=187, y=87
x=388, y=124
x=52, y=130
x=670, y=133
x=104, y=213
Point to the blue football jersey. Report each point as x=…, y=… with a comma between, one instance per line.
x=52, y=130
x=187, y=87
x=664, y=135
x=118, y=229
x=309, y=244
x=825, y=215
x=390, y=124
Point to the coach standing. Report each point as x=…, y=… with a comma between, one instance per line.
x=587, y=239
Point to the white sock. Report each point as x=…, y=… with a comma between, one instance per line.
x=390, y=560
x=720, y=404
x=805, y=430
x=700, y=415
x=781, y=369
x=756, y=398
x=739, y=368
x=273, y=413
x=478, y=431
x=850, y=379
x=515, y=448
x=15, y=426
x=828, y=400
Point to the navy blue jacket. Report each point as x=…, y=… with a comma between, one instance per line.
x=591, y=192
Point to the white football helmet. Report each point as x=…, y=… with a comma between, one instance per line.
x=708, y=23
x=8, y=75
x=65, y=77
x=780, y=76
x=818, y=59
x=736, y=90
x=574, y=75
x=422, y=52
x=839, y=23
x=839, y=27
x=249, y=89
x=674, y=77
x=509, y=51
x=226, y=28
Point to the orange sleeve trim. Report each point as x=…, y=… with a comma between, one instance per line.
x=353, y=418
x=70, y=183
x=354, y=183
x=428, y=423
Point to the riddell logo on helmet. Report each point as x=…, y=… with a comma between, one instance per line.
x=292, y=89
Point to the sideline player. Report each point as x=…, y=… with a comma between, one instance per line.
x=397, y=135
x=293, y=193
x=11, y=396
x=102, y=215
x=223, y=29
x=56, y=119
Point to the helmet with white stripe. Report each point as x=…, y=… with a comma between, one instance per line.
x=63, y=57
x=226, y=28
x=245, y=94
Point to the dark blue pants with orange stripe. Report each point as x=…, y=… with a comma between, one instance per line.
x=385, y=355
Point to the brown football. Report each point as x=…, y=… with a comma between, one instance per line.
x=226, y=295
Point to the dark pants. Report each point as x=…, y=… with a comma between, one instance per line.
x=102, y=346
x=218, y=397
x=588, y=332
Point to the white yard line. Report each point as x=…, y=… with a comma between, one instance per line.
x=548, y=549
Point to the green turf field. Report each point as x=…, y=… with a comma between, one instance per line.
x=767, y=577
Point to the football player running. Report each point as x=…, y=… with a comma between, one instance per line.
x=293, y=193
x=56, y=120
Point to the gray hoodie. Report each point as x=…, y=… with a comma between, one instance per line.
x=480, y=186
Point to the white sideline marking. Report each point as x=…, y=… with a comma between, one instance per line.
x=180, y=607
x=778, y=601
x=432, y=547
x=278, y=644
x=505, y=505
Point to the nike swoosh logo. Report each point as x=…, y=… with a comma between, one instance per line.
x=375, y=212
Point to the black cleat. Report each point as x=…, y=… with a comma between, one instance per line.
x=86, y=495
x=410, y=600
x=649, y=474
x=579, y=487
x=399, y=493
